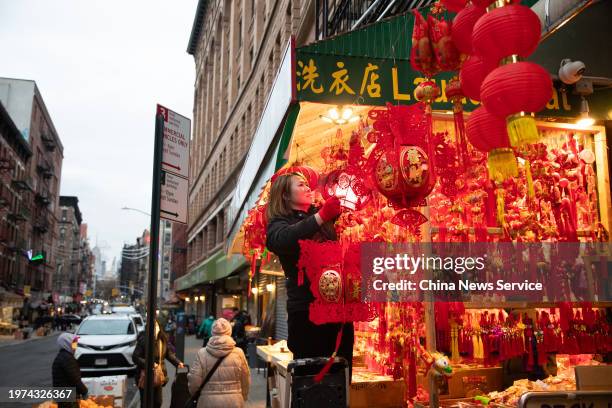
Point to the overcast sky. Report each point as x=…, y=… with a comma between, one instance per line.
x=101, y=67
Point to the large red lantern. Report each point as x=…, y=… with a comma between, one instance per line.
x=454, y=5
x=523, y=86
x=487, y=133
x=463, y=25
x=407, y=182
x=505, y=31
x=473, y=72
x=514, y=88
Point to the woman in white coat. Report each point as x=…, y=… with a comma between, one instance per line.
x=229, y=384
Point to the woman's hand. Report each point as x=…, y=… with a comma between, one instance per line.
x=330, y=210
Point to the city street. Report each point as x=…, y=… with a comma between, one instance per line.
x=29, y=365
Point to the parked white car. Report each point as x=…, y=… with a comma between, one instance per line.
x=138, y=322
x=106, y=343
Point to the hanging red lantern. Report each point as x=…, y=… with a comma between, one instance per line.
x=505, y=31
x=513, y=90
x=473, y=72
x=454, y=5
x=427, y=92
x=349, y=188
x=487, y=133
x=463, y=25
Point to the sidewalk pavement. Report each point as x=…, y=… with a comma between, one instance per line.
x=257, y=393
x=6, y=341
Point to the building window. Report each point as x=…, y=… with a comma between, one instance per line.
x=239, y=33
x=64, y=215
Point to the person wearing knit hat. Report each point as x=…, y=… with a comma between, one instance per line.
x=229, y=384
x=221, y=327
x=65, y=370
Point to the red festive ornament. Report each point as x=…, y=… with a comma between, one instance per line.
x=454, y=93
x=421, y=53
x=487, y=132
x=454, y=5
x=505, y=31
x=348, y=187
x=463, y=24
x=445, y=52
x=515, y=88
x=473, y=72
x=427, y=92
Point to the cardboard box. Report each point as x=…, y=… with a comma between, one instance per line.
x=114, y=385
x=456, y=386
x=380, y=394
x=593, y=378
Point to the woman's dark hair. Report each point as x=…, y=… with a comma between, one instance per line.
x=279, y=204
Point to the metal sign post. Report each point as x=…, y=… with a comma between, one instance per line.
x=153, y=259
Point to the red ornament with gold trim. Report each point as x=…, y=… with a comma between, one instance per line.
x=487, y=133
x=463, y=25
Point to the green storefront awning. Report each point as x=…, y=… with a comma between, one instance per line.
x=216, y=266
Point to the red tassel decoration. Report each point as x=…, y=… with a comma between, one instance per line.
x=330, y=362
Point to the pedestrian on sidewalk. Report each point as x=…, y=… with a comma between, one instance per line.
x=229, y=385
x=161, y=353
x=205, y=329
x=66, y=371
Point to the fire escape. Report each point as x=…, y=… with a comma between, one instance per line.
x=335, y=17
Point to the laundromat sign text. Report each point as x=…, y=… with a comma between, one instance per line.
x=368, y=81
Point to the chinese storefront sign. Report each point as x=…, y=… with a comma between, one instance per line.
x=370, y=81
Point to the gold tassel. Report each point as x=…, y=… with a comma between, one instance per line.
x=501, y=219
x=522, y=129
x=502, y=164
x=530, y=189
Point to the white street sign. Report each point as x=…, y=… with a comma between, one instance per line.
x=173, y=198
x=177, y=130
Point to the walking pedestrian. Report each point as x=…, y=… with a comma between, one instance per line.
x=205, y=329
x=228, y=385
x=160, y=354
x=66, y=371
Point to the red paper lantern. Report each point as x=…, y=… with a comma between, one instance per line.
x=454, y=5
x=427, y=92
x=453, y=90
x=463, y=25
x=472, y=74
x=408, y=183
x=506, y=31
x=487, y=132
x=512, y=88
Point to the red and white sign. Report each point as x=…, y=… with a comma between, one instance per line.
x=177, y=133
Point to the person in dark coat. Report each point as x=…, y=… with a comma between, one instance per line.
x=66, y=371
x=139, y=358
x=292, y=217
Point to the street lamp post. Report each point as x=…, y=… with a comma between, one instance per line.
x=136, y=209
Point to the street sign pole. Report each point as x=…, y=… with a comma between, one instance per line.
x=153, y=259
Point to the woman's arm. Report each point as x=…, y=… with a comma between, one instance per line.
x=245, y=376
x=171, y=357
x=195, y=376
x=282, y=237
x=138, y=354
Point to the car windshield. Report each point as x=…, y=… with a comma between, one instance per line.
x=105, y=327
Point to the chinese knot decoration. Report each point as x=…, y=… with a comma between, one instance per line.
x=402, y=164
x=335, y=282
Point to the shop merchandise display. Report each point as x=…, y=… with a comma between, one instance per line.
x=408, y=176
